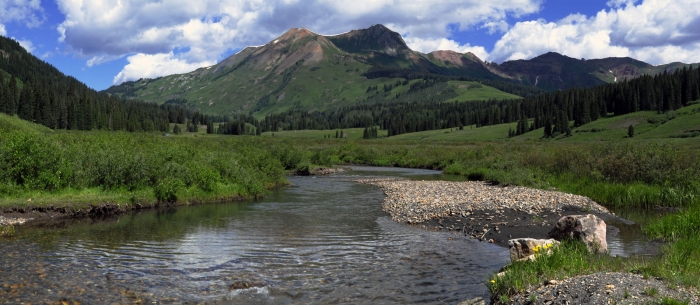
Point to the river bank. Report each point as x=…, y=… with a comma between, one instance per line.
x=35, y=212
x=495, y=214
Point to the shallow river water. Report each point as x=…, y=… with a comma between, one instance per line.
x=319, y=240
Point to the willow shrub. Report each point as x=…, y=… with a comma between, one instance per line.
x=124, y=161
x=29, y=161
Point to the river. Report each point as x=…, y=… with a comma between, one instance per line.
x=319, y=240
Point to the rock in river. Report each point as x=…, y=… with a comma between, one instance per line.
x=587, y=228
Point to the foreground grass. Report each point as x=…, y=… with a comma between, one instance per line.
x=572, y=259
x=81, y=168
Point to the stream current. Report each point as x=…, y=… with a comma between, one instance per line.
x=320, y=240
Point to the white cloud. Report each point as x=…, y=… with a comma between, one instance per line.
x=155, y=65
x=206, y=29
x=429, y=45
x=26, y=44
x=655, y=31
x=28, y=12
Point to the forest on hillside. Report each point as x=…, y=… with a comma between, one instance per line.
x=37, y=92
x=424, y=109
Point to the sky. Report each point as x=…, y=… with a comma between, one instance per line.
x=103, y=43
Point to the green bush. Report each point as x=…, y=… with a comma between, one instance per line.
x=166, y=190
x=206, y=179
x=32, y=162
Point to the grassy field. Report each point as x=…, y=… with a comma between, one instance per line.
x=651, y=169
x=473, y=91
x=352, y=134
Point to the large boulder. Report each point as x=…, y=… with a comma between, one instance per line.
x=528, y=248
x=588, y=228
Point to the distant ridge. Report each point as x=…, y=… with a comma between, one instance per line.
x=301, y=69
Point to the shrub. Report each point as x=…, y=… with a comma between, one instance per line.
x=31, y=161
x=166, y=189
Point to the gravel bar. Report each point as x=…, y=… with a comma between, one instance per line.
x=605, y=288
x=419, y=201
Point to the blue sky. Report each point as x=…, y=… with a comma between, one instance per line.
x=107, y=42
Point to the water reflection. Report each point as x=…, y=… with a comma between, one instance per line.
x=319, y=240
x=322, y=239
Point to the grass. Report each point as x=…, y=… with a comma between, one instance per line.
x=651, y=291
x=468, y=133
x=13, y=123
x=7, y=230
x=327, y=84
x=569, y=259
x=352, y=134
x=473, y=91
x=82, y=168
x=78, y=169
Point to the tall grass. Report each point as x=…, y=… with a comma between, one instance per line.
x=173, y=168
x=638, y=174
x=568, y=259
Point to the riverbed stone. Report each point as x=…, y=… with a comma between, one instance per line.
x=587, y=228
x=528, y=248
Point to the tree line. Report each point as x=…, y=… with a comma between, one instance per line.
x=425, y=109
x=36, y=91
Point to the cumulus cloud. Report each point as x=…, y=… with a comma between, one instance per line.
x=655, y=31
x=26, y=44
x=28, y=12
x=429, y=45
x=100, y=31
x=151, y=66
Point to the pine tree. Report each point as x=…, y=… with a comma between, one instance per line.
x=4, y=107
x=548, y=128
x=12, y=96
x=630, y=131
x=25, y=110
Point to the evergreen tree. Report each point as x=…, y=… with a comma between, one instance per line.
x=4, y=107
x=547, y=129
x=630, y=131
x=210, y=127
x=25, y=110
x=12, y=96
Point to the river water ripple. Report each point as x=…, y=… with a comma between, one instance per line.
x=320, y=240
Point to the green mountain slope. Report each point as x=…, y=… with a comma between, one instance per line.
x=553, y=71
x=302, y=70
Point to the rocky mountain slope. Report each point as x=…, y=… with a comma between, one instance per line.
x=302, y=70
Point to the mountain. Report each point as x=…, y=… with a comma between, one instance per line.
x=553, y=71
x=35, y=91
x=302, y=70
x=305, y=71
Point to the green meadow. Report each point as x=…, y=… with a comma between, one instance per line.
x=658, y=166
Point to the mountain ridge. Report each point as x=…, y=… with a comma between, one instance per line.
x=301, y=69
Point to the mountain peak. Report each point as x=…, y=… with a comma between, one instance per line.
x=294, y=35
x=376, y=38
